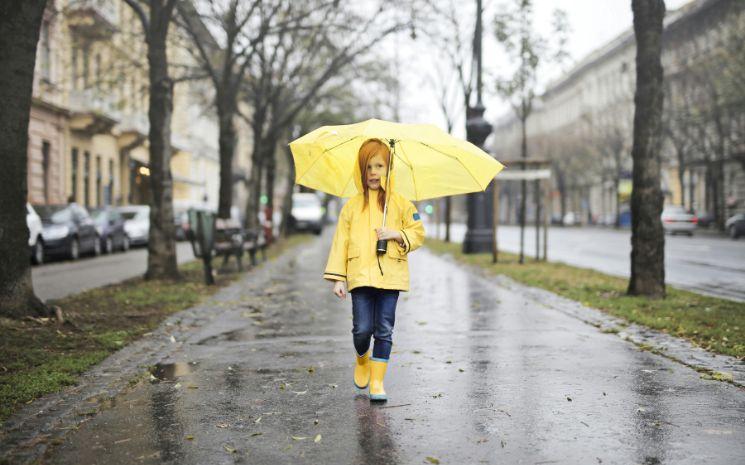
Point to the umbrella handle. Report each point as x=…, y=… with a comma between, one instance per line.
x=382, y=245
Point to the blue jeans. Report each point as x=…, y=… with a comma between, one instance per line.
x=373, y=314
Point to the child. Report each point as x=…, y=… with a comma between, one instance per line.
x=374, y=280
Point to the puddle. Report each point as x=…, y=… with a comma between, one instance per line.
x=171, y=371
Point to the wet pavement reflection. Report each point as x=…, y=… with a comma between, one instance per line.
x=479, y=374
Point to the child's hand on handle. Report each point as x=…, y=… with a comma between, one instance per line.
x=340, y=289
x=385, y=234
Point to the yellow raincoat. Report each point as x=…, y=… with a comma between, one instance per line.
x=352, y=256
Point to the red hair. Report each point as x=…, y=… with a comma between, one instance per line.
x=369, y=149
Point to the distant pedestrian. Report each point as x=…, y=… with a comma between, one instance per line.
x=374, y=279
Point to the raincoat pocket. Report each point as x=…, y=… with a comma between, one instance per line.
x=394, y=252
x=353, y=260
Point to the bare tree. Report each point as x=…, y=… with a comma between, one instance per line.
x=292, y=68
x=241, y=27
x=20, y=23
x=156, y=16
x=647, y=236
x=515, y=32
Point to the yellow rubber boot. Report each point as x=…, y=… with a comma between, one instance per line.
x=362, y=371
x=377, y=373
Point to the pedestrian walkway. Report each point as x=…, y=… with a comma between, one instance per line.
x=480, y=373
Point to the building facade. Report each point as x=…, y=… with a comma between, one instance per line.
x=583, y=123
x=88, y=124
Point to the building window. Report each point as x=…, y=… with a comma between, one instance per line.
x=110, y=188
x=99, y=180
x=87, y=178
x=74, y=174
x=46, y=53
x=74, y=68
x=97, y=71
x=45, y=147
x=86, y=67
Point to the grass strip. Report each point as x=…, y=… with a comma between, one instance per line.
x=39, y=356
x=717, y=325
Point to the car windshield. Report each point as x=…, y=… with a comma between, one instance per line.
x=100, y=216
x=58, y=214
x=134, y=214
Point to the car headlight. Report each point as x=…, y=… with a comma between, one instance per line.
x=55, y=232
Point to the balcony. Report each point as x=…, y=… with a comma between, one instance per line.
x=92, y=19
x=92, y=112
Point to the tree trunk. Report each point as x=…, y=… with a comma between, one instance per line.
x=287, y=203
x=161, y=259
x=647, y=236
x=20, y=23
x=225, y=114
x=617, y=202
x=523, y=187
x=448, y=210
x=254, y=187
x=271, y=166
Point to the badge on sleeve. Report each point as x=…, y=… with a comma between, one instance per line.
x=416, y=216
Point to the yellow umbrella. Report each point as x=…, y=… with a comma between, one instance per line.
x=427, y=162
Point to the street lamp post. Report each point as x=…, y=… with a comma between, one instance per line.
x=479, y=233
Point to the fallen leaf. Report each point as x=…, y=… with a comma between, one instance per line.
x=229, y=449
x=299, y=438
x=189, y=437
x=257, y=420
x=432, y=460
x=192, y=386
x=222, y=425
x=317, y=439
x=173, y=339
x=311, y=369
x=256, y=434
x=569, y=399
x=461, y=370
x=315, y=422
x=300, y=393
x=177, y=386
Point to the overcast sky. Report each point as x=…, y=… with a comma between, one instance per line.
x=592, y=24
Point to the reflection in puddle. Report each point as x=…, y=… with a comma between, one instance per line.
x=374, y=440
x=171, y=371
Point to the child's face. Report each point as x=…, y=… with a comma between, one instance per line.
x=375, y=172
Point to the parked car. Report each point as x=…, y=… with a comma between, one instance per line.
x=675, y=219
x=110, y=227
x=136, y=223
x=35, y=242
x=570, y=219
x=68, y=230
x=307, y=213
x=735, y=225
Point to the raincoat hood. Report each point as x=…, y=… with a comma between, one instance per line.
x=358, y=175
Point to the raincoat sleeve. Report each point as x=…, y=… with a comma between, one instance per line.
x=336, y=266
x=413, y=230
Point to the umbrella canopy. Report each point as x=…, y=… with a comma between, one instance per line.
x=428, y=162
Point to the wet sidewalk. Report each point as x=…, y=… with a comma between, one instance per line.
x=480, y=373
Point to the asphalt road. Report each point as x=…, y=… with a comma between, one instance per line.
x=480, y=373
x=60, y=278
x=703, y=263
